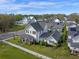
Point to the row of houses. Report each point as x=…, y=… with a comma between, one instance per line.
x=50, y=31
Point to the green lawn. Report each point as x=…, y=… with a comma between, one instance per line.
x=9, y=52
x=17, y=27
x=56, y=53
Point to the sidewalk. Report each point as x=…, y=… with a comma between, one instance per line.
x=27, y=50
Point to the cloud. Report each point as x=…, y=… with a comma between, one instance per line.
x=6, y=1
x=28, y=5
x=36, y=5
x=42, y=5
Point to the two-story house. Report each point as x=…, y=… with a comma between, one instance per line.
x=39, y=31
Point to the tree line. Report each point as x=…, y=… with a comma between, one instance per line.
x=7, y=21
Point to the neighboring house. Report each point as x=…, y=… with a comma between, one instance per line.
x=73, y=40
x=26, y=20
x=31, y=19
x=58, y=24
x=57, y=21
x=23, y=21
x=55, y=24
x=70, y=24
x=73, y=44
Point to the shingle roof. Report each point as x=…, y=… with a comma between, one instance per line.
x=56, y=35
x=77, y=28
x=46, y=35
x=42, y=24
x=74, y=44
x=72, y=33
x=76, y=34
x=36, y=26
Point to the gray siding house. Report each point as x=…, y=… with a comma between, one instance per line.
x=73, y=39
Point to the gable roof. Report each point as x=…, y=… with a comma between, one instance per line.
x=42, y=24
x=56, y=35
x=36, y=26
x=74, y=44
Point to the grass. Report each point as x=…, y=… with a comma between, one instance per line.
x=56, y=53
x=9, y=52
x=17, y=27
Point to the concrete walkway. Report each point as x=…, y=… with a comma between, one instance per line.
x=27, y=50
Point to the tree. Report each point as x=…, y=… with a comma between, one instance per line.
x=63, y=36
x=74, y=17
x=6, y=21
x=18, y=17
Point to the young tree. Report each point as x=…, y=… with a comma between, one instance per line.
x=63, y=36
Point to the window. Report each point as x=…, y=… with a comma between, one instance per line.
x=30, y=32
x=72, y=29
x=34, y=32
x=27, y=31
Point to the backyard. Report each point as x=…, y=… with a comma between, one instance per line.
x=56, y=53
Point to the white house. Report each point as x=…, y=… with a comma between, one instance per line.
x=34, y=29
x=26, y=20
x=40, y=32
x=31, y=19
x=23, y=21
x=56, y=20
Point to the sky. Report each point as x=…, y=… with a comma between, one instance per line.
x=39, y=6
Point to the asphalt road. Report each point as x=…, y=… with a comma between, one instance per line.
x=11, y=34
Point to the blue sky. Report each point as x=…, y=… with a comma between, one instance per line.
x=39, y=6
